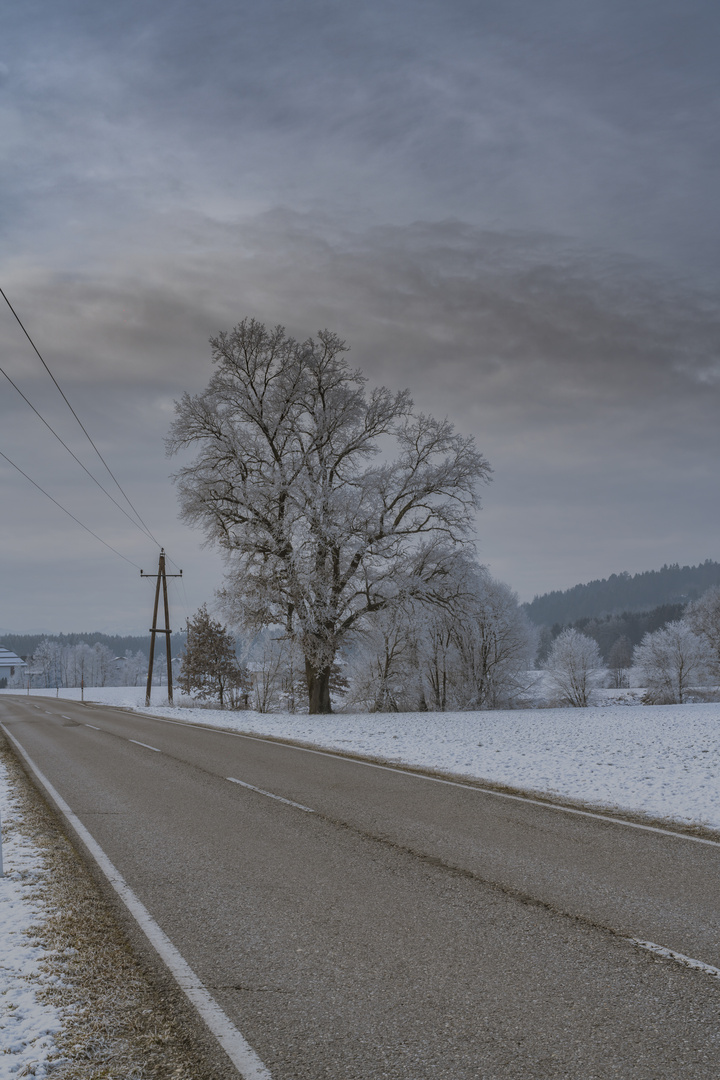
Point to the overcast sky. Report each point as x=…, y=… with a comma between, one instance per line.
x=508, y=207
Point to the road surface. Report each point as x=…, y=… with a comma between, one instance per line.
x=356, y=922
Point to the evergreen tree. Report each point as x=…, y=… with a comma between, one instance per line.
x=210, y=668
x=619, y=661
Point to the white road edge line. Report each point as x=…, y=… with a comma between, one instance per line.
x=270, y=795
x=680, y=958
x=87, y=725
x=450, y=783
x=146, y=745
x=242, y=1055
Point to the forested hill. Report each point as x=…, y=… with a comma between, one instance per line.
x=621, y=592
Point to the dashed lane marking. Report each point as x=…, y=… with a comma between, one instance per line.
x=87, y=725
x=679, y=958
x=270, y=795
x=137, y=743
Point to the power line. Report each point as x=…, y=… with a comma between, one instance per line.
x=82, y=426
x=172, y=561
x=74, y=455
x=66, y=511
x=181, y=596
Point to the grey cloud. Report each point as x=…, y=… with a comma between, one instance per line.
x=459, y=182
x=541, y=328
x=495, y=301
x=586, y=121
x=584, y=376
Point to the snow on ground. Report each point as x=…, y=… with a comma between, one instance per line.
x=660, y=760
x=27, y=1024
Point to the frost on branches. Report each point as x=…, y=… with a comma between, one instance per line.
x=574, y=668
x=55, y=663
x=210, y=668
x=469, y=649
x=671, y=661
x=295, y=481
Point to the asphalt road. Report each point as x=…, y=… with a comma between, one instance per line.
x=404, y=928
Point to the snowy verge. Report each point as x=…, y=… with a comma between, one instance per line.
x=658, y=760
x=27, y=1024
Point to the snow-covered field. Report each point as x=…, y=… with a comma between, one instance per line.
x=660, y=760
x=27, y=1024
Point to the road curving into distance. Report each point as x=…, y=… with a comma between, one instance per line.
x=355, y=922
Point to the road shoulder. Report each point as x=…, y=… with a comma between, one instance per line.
x=118, y=1019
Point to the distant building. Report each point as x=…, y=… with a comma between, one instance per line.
x=10, y=665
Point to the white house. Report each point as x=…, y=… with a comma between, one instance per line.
x=10, y=664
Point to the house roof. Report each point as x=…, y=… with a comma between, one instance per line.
x=10, y=659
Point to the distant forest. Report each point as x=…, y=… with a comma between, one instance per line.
x=621, y=594
x=608, y=629
x=24, y=645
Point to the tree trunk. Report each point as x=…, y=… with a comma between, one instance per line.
x=318, y=684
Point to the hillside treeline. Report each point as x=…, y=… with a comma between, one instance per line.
x=608, y=629
x=624, y=593
x=26, y=645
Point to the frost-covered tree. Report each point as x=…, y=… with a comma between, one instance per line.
x=435, y=648
x=703, y=618
x=80, y=665
x=672, y=660
x=266, y=674
x=295, y=482
x=47, y=663
x=574, y=668
x=132, y=669
x=382, y=669
x=496, y=644
x=104, y=665
x=209, y=666
x=57, y=664
x=470, y=648
x=275, y=673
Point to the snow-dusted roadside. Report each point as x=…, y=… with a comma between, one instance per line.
x=659, y=760
x=27, y=1024
x=76, y=1003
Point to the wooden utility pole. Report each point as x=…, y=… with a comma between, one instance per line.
x=155, y=629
